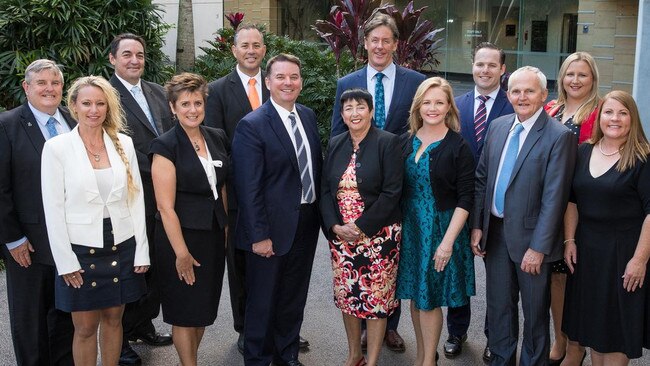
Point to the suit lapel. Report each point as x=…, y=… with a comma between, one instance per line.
x=84, y=168
x=468, y=122
x=156, y=113
x=498, y=144
x=31, y=128
x=129, y=103
x=532, y=138
x=239, y=92
x=119, y=170
x=281, y=132
x=311, y=130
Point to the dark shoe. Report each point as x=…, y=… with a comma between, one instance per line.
x=128, y=356
x=152, y=338
x=240, y=343
x=552, y=362
x=303, y=344
x=364, y=340
x=454, y=345
x=487, y=354
x=289, y=363
x=394, y=341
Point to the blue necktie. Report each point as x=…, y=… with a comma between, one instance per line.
x=142, y=102
x=51, y=126
x=380, y=108
x=506, y=169
x=303, y=161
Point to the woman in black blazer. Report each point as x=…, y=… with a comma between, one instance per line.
x=189, y=170
x=361, y=187
x=437, y=264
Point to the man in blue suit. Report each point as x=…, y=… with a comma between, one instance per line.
x=277, y=160
x=477, y=110
x=397, y=85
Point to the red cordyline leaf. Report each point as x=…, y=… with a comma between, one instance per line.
x=235, y=19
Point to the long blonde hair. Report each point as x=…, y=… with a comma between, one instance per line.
x=452, y=121
x=114, y=122
x=591, y=103
x=636, y=148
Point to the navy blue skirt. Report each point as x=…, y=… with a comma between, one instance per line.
x=108, y=278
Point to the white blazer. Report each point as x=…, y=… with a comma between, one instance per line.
x=74, y=209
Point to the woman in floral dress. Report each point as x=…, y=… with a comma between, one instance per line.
x=361, y=188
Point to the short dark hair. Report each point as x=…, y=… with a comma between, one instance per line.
x=247, y=26
x=185, y=82
x=358, y=95
x=492, y=46
x=377, y=21
x=115, y=43
x=282, y=57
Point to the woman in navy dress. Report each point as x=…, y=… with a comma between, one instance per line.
x=437, y=265
x=189, y=170
x=607, y=238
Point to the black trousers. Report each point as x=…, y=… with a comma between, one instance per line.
x=139, y=314
x=41, y=334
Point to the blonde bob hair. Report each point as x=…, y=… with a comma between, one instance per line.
x=635, y=148
x=452, y=121
x=115, y=118
x=591, y=103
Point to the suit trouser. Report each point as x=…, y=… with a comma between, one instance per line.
x=458, y=320
x=41, y=334
x=139, y=314
x=277, y=293
x=505, y=281
x=236, y=261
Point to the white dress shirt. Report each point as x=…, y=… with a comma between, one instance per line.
x=388, y=81
x=258, y=81
x=488, y=103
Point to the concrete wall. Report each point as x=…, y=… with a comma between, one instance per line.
x=611, y=29
x=208, y=17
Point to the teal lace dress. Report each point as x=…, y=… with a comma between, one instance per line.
x=423, y=228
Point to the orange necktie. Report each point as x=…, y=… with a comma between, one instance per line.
x=253, y=97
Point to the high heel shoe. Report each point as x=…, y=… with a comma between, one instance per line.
x=361, y=362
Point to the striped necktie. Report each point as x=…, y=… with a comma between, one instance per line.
x=303, y=162
x=480, y=118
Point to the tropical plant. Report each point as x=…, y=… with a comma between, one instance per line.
x=318, y=69
x=75, y=34
x=235, y=19
x=417, y=45
x=344, y=29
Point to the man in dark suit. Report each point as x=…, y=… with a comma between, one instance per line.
x=277, y=161
x=397, y=84
x=523, y=180
x=147, y=116
x=477, y=109
x=41, y=334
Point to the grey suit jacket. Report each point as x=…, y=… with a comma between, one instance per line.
x=538, y=192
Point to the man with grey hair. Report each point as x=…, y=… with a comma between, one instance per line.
x=41, y=334
x=523, y=180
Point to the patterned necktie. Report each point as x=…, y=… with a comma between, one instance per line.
x=51, y=126
x=142, y=102
x=253, y=97
x=380, y=108
x=506, y=169
x=480, y=118
x=303, y=166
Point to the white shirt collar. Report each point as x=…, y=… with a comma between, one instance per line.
x=283, y=112
x=527, y=124
x=244, y=78
x=128, y=85
x=493, y=94
x=388, y=72
x=42, y=117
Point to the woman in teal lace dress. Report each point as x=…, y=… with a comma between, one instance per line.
x=436, y=263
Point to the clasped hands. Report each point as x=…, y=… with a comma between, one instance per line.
x=347, y=232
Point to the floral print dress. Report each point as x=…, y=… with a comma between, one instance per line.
x=365, y=271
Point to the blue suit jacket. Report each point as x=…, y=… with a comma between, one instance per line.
x=406, y=83
x=465, y=104
x=266, y=174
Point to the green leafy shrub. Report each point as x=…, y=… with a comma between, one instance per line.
x=319, y=70
x=76, y=34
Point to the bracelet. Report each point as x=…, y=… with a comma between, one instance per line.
x=568, y=240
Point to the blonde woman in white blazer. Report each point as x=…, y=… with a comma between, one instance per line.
x=94, y=211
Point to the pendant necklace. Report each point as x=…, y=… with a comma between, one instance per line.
x=196, y=146
x=96, y=156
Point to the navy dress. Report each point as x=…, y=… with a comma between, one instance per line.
x=423, y=228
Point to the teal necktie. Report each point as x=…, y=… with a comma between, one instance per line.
x=380, y=108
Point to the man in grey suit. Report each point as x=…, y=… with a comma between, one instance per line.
x=41, y=334
x=147, y=116
x=523, y=180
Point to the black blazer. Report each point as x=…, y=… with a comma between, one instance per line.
x=379, y=173
x=141, y=130
x=451, y=171
x=195, y=204
x=21, y=203
x=228, y=102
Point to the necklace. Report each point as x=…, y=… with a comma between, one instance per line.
x=196, y=145
x=600, y=148
x=96, y=156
